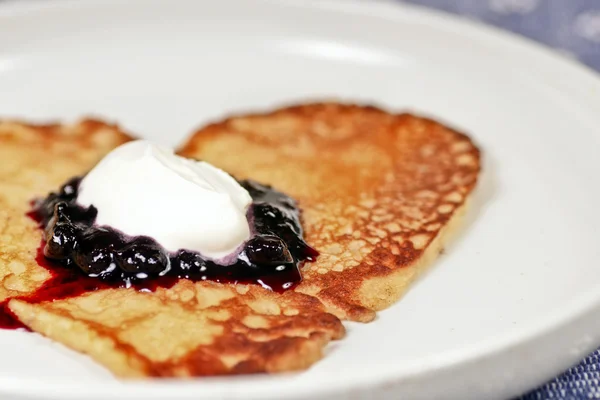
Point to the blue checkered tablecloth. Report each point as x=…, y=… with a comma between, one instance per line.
x=573, y=28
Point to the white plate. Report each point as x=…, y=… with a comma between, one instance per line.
x=512, y=303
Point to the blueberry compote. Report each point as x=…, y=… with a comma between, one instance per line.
x=271, y=257
x=83, y=257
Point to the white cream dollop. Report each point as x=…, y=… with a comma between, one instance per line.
x=143, y=189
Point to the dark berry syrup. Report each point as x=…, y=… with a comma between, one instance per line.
x=83, y=257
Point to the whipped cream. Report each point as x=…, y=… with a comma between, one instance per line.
x=143, y=189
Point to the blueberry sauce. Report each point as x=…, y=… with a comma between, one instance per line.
x=83, y=257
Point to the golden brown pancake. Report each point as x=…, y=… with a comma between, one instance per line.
x=37, y=159
x=191, y=329
x=380, y=193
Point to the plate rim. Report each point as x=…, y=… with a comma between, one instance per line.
x=580, y=307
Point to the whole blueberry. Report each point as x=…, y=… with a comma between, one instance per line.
x=96, y=250
x=266, y=217
x=188, y=261
x=61, y=241
x=142, y=257
x=267, y=250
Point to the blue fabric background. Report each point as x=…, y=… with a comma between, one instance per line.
x=573, y=28
x=570, y=26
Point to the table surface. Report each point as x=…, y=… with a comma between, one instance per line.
x=572, y=27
